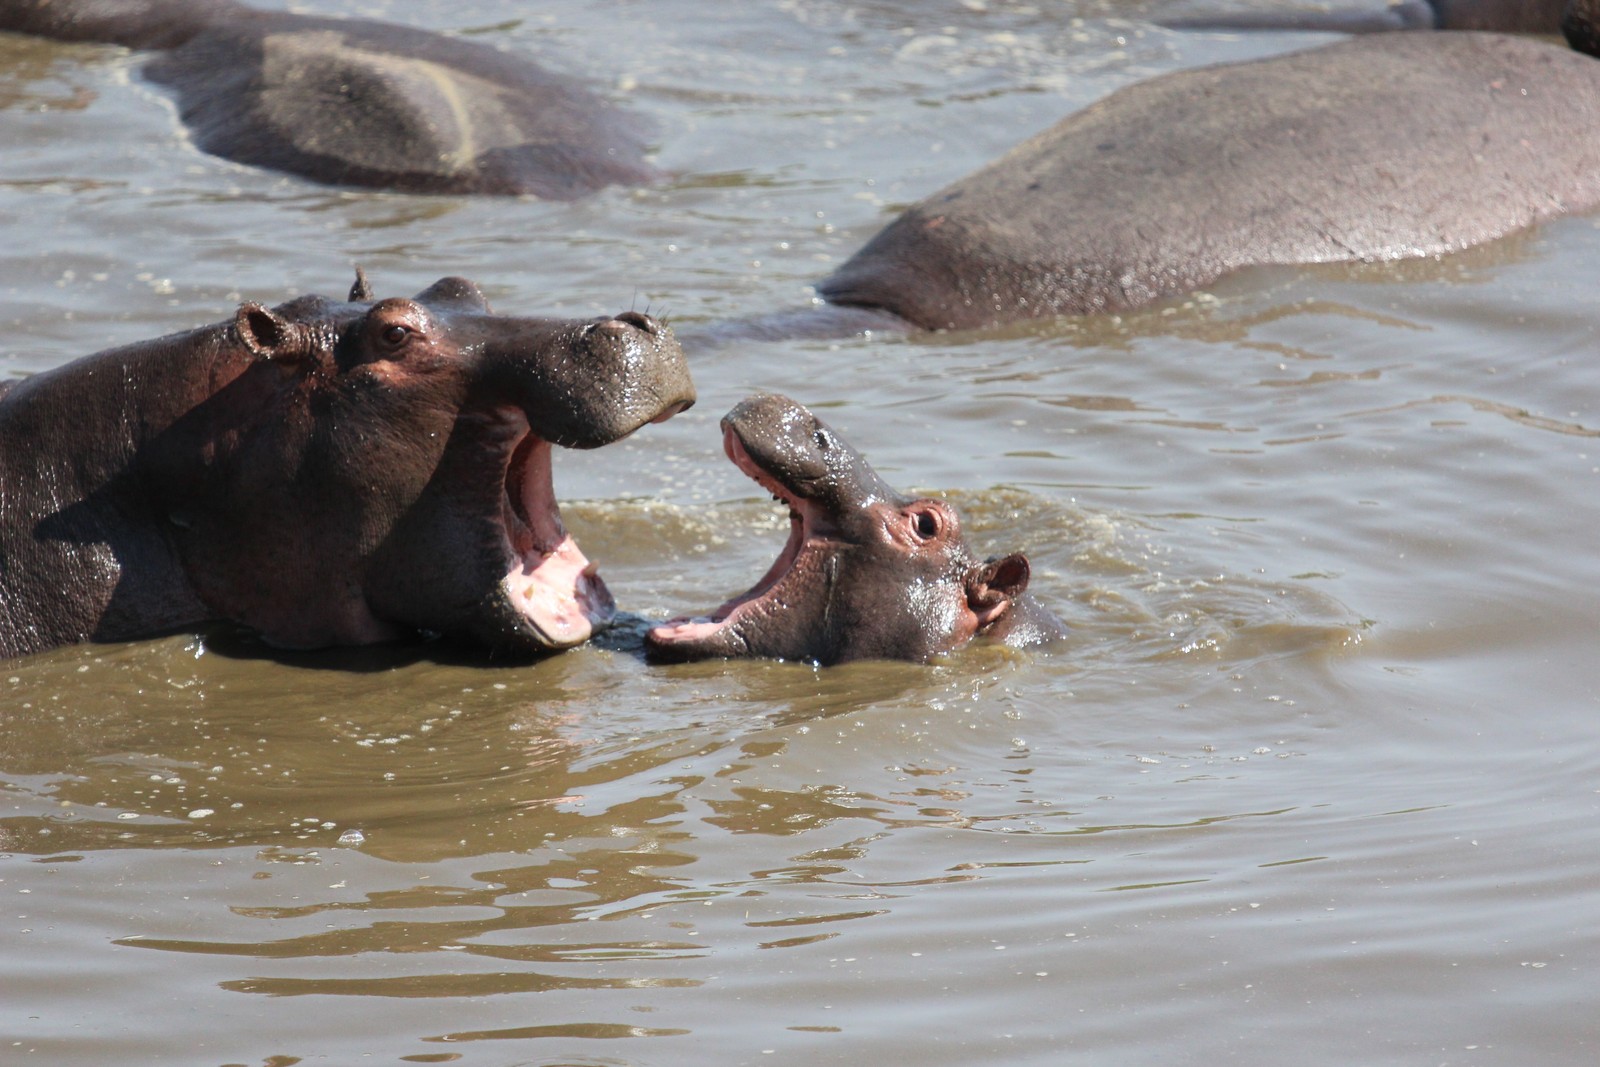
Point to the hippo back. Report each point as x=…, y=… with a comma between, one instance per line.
x=133, y=23
x=356, y=102
x=1377, y=148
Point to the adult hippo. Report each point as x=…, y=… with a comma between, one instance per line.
x=866, y=574
x=325, y=472
x=1375, y=148
x=356, y=102
x=1503, y=16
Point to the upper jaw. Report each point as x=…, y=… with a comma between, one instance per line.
x=733, y=445
x=611, y=377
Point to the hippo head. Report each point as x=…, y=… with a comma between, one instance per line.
x=360, y=470
x=866, y=574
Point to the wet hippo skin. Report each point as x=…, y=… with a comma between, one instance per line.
x=867, y=573
x=1376, y=148
x=325, y=472
x=356, y=102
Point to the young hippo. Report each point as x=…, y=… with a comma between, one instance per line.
x=325, y=472
x=867, y=573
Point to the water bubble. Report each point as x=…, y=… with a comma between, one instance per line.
x=352, y=838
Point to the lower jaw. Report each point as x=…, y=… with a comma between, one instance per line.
x=560, y=597
x=683, y=640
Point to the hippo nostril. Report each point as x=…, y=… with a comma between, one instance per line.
x=640, y=320
x=682, y=405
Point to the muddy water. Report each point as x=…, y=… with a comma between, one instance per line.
x=1316, y=779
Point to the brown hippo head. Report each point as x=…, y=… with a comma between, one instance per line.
x=324, y=472
x=411, y=449
x=866, y=574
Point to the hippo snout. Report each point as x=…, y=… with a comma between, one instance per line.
x=592, y=384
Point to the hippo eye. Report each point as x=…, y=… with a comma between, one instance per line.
x=927, y=525
x=395, y=335
x=822, y=439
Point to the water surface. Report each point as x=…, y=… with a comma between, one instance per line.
x=1315, y=779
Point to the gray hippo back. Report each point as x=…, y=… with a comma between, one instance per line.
x=358, y=102
x=1376, y=148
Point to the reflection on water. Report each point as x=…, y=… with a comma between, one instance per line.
x=1312, y=777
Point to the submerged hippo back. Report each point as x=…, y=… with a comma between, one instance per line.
x=356, y=102
x=369, y=103
x=1377, y=148
x=133, y=23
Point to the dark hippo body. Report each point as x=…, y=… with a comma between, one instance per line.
x=325, y=473
x=867, y=573
x=355, y=102
x=1581, y=25
x=1376, y=148
x=1501, y=16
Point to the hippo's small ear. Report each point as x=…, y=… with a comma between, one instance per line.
x=993, y=587
x=362, y=289
x=269, y=335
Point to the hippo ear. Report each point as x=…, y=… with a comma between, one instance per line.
x=269, y=335
x=362, y=289
x=993, y=587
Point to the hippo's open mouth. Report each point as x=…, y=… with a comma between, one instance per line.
x=550, y=583
x=807, y=526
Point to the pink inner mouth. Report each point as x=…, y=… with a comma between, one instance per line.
x=552, y=585
x=697, y=628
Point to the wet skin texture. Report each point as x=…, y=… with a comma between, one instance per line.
x=324, y=472
x=867, y=573
x=355, y=102
x=1377, y=148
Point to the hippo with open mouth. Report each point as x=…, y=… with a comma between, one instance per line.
x=325, y=472
x=867, y=573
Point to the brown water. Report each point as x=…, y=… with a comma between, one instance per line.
x=1316, y=780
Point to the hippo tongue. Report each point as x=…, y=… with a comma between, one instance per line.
x=550, y=582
